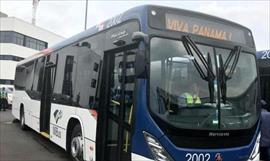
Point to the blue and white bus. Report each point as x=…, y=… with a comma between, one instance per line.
x=115, y=91
x=264, y=69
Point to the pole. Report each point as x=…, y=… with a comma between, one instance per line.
x=34, y=11
x=86, y=9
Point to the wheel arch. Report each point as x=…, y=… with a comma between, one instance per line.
x=72, y=122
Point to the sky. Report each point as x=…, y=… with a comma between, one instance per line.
x=66, y=17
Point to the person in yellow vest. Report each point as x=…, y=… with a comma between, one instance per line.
x=191, y=97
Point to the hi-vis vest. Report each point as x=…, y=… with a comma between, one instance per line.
x=192, y=99
x=3, y=94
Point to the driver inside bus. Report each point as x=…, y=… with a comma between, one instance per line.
x=191, y=97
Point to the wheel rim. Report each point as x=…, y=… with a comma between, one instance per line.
x=77, y=147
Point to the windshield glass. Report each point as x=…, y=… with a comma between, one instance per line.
x=180, y=96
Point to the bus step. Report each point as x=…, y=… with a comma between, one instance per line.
x=46, y=135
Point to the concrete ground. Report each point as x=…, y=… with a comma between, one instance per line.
x=18, y=145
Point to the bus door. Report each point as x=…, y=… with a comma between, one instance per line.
x=116, y=109
x=45, y=109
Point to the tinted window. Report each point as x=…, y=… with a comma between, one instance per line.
x=129, y=86
x=23, y=40
x=67, y=82
x=29, y=75
x=6, y=36
x=65, y=76
x=10, y=57
x=38, y=78
x=18, y=39
x=20, y=78
x=85, y=89
x=30, y=42
x=41, y=45
x=77, y=76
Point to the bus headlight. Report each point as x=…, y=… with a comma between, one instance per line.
x=255, y=151
x=159, y=153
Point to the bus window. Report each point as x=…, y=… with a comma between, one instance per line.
x=20, y=77
x=173, y=77
x=86, y=78
x=29, y=76
x=38, y=78
x=62, y=87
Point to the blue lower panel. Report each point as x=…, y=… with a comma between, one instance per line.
x=230, y=154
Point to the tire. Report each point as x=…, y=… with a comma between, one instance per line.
x=22, y=120
x=76, y=144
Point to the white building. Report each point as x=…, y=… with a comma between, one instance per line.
x=18, y=40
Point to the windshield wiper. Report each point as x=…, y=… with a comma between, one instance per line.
x=210, y=79
x=223, y=80
x=236, y=53
x=223, y=77
x=209, y=76
x=188, y=42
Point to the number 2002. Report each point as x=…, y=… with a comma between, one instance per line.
x=198, y=157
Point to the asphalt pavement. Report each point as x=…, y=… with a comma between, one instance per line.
x=18, y=145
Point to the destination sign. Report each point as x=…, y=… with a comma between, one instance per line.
x=204, y=27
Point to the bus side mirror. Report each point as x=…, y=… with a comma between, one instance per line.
x=140, y=36
x=140, y=61
x=140, y=65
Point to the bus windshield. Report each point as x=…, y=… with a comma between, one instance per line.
x=181, y=97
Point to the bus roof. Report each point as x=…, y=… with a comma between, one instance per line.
x=140, y=13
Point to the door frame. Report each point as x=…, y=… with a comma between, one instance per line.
x=103, y=112
x=45, y=101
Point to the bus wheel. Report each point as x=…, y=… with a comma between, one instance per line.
x=76, y=144
x=22, y=120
